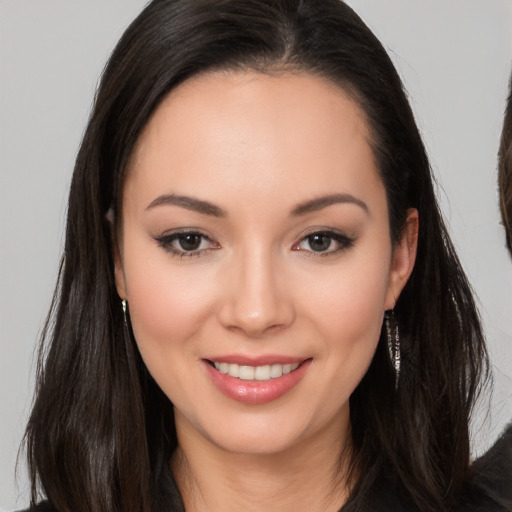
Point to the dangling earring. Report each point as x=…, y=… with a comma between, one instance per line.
x=123, y=304
x=393, y=340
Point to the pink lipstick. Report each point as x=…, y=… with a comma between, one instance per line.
x=256, y=381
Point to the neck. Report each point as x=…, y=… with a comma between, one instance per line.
x=309, y=477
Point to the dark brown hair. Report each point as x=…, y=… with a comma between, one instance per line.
x=101, y=432
x=505, y=171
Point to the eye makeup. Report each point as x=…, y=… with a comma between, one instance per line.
x=187, y=243
x=324, y=242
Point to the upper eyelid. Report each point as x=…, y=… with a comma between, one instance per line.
x=183, y=231
x=327, y=230
x=166, y=242
x=345, y=240
x=335, y=235
x=334, y=232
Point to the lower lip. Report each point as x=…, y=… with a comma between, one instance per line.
x=254, y=392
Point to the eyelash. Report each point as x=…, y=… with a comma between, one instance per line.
x=344, y=242
x=166, y=242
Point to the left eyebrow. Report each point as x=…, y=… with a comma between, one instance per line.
x=324, y=201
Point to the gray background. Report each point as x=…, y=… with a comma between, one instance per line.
x=454, y=56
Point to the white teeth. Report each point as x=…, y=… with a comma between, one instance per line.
x=234, y=370
x=262, y=373
x=287, y=368
x=276, y=370
x=246, y=373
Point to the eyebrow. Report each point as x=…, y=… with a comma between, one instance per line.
x=207, y=208
x=324, y=201
x=189, y=203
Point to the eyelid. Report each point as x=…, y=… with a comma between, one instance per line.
x=166, y=240
x=346, y=241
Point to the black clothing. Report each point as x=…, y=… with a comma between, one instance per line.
x=489, y=489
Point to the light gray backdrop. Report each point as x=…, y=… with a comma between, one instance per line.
x=454, y=56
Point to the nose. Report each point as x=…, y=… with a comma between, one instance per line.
x=258, y=299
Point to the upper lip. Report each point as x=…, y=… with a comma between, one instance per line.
x=262, y=360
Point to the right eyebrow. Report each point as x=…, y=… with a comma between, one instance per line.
x=189, y=203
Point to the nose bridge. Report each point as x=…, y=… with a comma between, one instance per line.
x=257, y=300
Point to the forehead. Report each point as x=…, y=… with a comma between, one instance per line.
x=256, y=130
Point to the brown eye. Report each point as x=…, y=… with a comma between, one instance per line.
x=324, y=243
x=189, y=241
x=319, y=242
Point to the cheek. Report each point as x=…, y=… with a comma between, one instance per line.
x=347, y=309
x=353, y=295
x=166, y=302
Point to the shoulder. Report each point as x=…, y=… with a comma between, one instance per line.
x=490, y=487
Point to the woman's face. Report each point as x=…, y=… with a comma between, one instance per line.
x=255, y=241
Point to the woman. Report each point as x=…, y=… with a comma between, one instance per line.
x=259, y=306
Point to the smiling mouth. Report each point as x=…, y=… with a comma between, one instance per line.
x=255, y=373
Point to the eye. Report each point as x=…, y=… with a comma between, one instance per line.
x=324, y=242
x=187, y=243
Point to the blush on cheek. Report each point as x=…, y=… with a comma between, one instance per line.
x=159, y=318
x=167, y=304
x=352, y=305
x=352, y=313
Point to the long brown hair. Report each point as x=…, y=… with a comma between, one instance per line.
x=101, y=432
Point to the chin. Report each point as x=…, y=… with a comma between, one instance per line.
x=273, y=431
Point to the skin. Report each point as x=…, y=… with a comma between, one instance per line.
x=257, y=147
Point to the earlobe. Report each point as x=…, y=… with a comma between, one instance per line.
x=116, y=255
x=118, y=269
x=119, y=274
x=403, y=259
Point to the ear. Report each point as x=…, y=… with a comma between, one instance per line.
x=116, y=254
x=119, y=272
x=403, y=258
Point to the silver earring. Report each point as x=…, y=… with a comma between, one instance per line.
x=123, y=304
x=393, y=340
